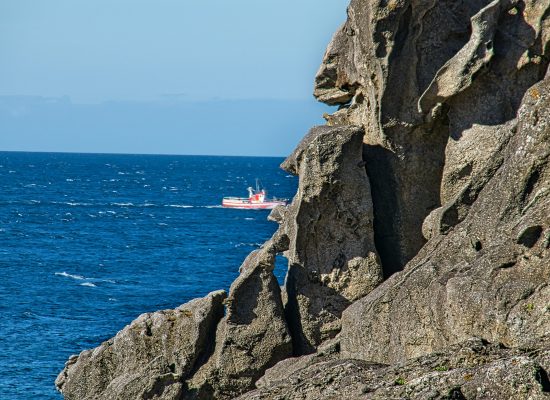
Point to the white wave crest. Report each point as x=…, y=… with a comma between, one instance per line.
x=257, y=245
x=89, y=281
x=88, y=284
x=67, y=275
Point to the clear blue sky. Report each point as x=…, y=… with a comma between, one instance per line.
x=160, y=51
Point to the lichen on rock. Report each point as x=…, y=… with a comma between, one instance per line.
x=473, y=369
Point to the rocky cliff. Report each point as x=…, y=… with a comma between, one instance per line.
x=418, y=240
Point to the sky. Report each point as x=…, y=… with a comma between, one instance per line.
x=102, y=53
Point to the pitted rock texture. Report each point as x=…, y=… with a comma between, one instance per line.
x=423, y=77
x=331, y=252
x=434, y=175
x=470, y=370
x=252, y=336
x=487, y=277
x=471, y=162
x=149, y=358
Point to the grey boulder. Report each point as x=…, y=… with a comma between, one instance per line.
x=149, y=358
x=252, y=336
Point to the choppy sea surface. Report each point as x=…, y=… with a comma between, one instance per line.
x=90, y=241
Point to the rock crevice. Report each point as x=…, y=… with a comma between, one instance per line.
x=418, y=241
x=332, y=255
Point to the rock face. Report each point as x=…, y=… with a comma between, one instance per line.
x=470, y=370
x=326, y=233
x=252, y=336
x=487, y=277
x=149, y=358
x=433, y=174
x=194, y=351
x=331, y=253
x=424, y=78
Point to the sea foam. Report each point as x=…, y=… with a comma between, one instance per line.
x=67, y=275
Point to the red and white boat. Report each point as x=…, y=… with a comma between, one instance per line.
x=256, y=200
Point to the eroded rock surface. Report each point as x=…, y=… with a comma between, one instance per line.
x=473, y=369
x=488, y=277
x=149, y=358
x=433, y=174
x=331, y=252
x=424, y=78
x=253, y=335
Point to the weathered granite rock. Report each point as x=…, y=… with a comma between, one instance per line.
x=458, y=73
x=470, y=370
x=424, y=78
x=458, y=190
x=149, y=358
x=331, y=251
x=471, y=162
x=489, y=276
x=193, y=351
x=253, y=335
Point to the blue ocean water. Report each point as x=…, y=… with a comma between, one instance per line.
x=90, y=241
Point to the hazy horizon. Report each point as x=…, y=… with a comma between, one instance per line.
x=218, y=127
x=137, y=154
x=118, y=74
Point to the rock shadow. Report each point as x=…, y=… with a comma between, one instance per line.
x=496, y=91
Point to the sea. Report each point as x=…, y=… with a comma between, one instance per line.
x=90, y=241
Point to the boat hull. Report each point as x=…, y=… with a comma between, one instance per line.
x=245, y=204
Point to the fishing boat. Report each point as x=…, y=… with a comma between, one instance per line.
x=256, y=200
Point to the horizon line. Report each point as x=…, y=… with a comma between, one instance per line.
x=157, y=99
x=136, y=154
